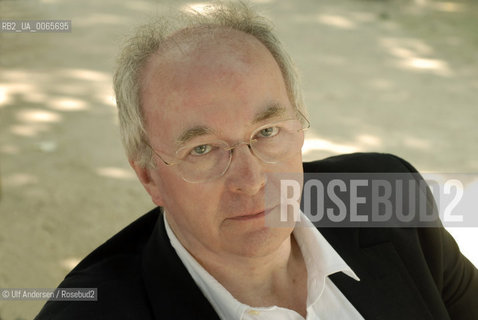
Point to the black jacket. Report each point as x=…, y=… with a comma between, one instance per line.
x=405, y=273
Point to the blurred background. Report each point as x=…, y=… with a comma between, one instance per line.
x=389, y=76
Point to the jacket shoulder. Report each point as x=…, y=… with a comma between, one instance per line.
x=114, y=269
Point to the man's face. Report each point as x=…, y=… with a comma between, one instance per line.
x=227, y=86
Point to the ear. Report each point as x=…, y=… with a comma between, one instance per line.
x=148, y=182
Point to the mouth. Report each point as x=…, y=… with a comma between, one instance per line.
x=252, y=216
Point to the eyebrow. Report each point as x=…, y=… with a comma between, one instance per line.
x=273, y=110
x=192, y=133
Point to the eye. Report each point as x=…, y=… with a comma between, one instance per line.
x=268, y=132
x=201, y=150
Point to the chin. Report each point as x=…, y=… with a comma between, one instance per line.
x=262, y=242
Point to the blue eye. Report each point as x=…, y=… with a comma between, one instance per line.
x=268, y=132
x=201, y=150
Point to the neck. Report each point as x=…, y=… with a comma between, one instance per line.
x=279, y=278
x=255, y=273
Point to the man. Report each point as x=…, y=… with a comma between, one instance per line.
x=210, y=114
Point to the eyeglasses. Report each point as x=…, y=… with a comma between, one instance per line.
x=208, y=160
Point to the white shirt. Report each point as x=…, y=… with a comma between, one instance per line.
x=324, y=299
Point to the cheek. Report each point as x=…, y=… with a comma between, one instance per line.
x=188, y=199
x=294, y=164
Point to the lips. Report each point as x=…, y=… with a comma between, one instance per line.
x=255, y=215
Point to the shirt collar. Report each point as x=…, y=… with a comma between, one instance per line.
x=321, y=259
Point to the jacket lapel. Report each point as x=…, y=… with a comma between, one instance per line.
x=385, y=289
x=172, y=292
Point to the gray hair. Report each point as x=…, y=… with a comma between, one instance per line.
x=151, y=37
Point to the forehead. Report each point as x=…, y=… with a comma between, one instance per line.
x=209, y=79
x=203, y=51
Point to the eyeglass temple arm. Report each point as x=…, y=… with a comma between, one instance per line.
x=164, y=161
x=306, y=120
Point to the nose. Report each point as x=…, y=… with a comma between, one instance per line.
x=246, y=173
